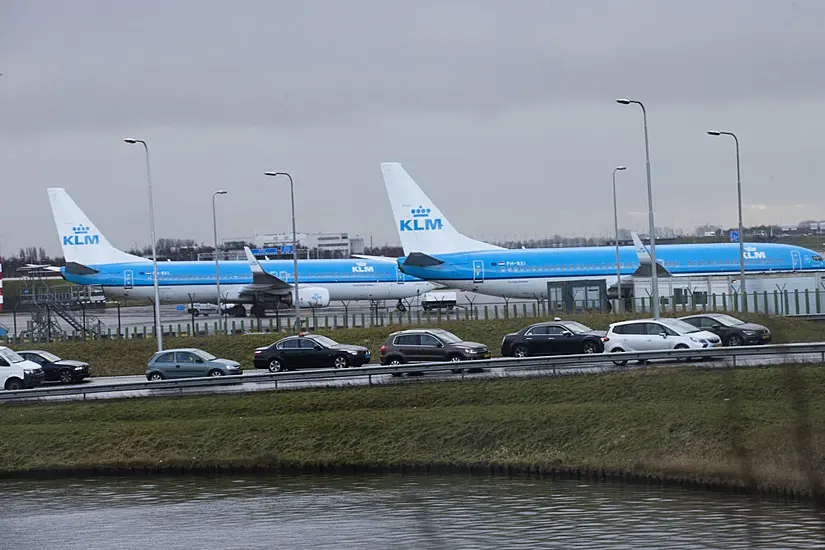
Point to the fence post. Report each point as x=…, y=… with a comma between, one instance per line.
x=817, y=301
x=796, y=300
x=807, y=303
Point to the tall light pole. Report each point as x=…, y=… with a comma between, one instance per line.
x=294, y=247
x=217, y=271
x=616, y=228
x=158, y=328
x=739, y=198
x=654, y=275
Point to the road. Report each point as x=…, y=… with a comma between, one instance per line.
x=251, y=380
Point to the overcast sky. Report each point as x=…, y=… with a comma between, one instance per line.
x=503, y=112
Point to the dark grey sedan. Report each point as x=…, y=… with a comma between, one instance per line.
x=189, y=363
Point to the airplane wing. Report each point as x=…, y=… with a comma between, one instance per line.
x=645, y=260
x=383, y=259
x=261, y=280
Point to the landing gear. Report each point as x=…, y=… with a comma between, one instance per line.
x=258, y=310
x=400, y=306
x=237, y=311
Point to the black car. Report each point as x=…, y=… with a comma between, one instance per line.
x=57, y=369
x=308, y=351
x=732, y=331
x=429, y=345
x=553, y=338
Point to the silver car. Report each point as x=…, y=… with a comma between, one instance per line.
x=189, y=363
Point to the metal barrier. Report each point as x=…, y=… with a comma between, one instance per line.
x=555, y=363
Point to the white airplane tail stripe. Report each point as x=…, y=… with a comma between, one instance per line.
x=420, y=224
x=82, y=242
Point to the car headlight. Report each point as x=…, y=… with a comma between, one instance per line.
x=749, y=332
x=692, y=339
x=352, y=352
x=78, y=368
x=28, y=371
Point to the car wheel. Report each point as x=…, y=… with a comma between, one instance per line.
x=618, y=362
x=14, y=384
x=215, y=372
x=682, y=346
x=195, y=312
x=455, y=358
x=275, y=366
x=340, y=362
x=520, y=351
x=66, y=376
x=156, y=376
x=589, y=347
x=735, y=340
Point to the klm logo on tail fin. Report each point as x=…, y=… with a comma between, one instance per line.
x=421, y=221
x=80, y=237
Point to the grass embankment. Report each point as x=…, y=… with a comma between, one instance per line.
x=668, y=424
x=117, y=357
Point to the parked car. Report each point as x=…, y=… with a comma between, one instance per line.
x=656, y=334
x=57, y=369
x=732, y=331
x=430, y=345
x=309, y=351
x=189, y=363
x=553, y=338
x=17, y=373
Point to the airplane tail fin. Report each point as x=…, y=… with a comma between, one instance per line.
x=420, y=224
x=82, y=242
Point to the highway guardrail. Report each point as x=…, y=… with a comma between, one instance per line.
x=554, y=363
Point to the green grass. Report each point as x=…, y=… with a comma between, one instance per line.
x=118, y=357
x=671, y=424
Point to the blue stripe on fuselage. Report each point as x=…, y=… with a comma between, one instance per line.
x=238, y=272
x=687, y=259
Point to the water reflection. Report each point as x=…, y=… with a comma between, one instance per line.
x=389, y=512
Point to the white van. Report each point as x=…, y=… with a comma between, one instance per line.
x=439, y=300
x=17, y=373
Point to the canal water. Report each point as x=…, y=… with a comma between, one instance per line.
x=384, y=512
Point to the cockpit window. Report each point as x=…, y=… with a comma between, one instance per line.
x=816, y=258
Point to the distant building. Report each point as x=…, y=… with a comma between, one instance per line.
x=341, y=243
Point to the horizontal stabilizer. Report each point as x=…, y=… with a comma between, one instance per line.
x=79, y=269
x=418, y=259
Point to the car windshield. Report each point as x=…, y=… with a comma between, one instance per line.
x=678, y=325
x=324, y=341
x=727, y=320
x=10, y=356
x=205, y=355
x=577, y=328
x=447, y=337
x=50, y=357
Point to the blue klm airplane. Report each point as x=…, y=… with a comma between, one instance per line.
x=91, y=260
x=434, y=250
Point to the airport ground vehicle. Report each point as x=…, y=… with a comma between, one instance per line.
x=430, y=345
x=732, y=331
x=17, y=373
x=553, y=338
x=438, y=300
x=189, y=362
x=656, y=334
x=309, y=351
x=57, y=369
x=206, y=309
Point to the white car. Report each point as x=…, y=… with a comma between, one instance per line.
x=205, y=309
x=656, y=334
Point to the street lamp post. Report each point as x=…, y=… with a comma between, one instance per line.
x=158, y=328
x=739, y=199
x=654, y=276
x=217, y=270
x=294, y=248
x=616, y=229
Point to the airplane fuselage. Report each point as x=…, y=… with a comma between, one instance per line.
x=181, y=282
x=525, y=273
